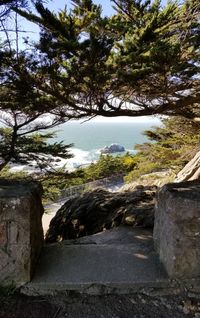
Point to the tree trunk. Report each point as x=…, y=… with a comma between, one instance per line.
x=191, y=171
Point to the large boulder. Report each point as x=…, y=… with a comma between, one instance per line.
x=98, y=210
x=177, y=228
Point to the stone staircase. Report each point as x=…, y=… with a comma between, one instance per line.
x=119, y=261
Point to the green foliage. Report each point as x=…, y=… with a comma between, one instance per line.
x=27, y=112
x=5, y=173
x=142, y=168
x=30, y=148
x=176, y=142
x=145, y=55
x=143, y=60
x=108, y=166
x=52, y=192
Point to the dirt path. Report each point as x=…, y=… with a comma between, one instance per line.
x=83, y=306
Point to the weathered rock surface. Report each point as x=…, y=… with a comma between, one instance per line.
x=191, y=171
x=21, y=234
x=112, y=149
x=98, y=210
x=177, y=228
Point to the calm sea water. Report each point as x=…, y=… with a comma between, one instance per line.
x=88, y=138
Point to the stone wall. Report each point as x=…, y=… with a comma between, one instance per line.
x=177, y=229
x=21, y=233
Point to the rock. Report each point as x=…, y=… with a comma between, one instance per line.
x=177, y=228
x=21, y=233
x=112, y=149
x=99, y=209
x=191, y=171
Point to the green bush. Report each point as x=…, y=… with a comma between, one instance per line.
x=174, y=144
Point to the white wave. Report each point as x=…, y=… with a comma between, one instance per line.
x=80, y=158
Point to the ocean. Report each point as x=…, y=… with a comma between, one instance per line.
x=89, y=137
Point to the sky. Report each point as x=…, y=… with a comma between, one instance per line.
x=106, y=5
x=154, y=120
x=57, y=5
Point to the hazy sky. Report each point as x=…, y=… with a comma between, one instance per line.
x=154, y=120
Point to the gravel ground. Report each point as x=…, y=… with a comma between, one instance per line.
x=84, y=306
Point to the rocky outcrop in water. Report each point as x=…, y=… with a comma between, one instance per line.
x=98, y=210
x=112, y=149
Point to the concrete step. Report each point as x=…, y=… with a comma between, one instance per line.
x=99, y=268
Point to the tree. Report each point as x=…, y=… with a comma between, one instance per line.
x=25, y=111
x=6, y=6
x=7, y=16
x=144, y=60
x=33, y=149
x=26, y=114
